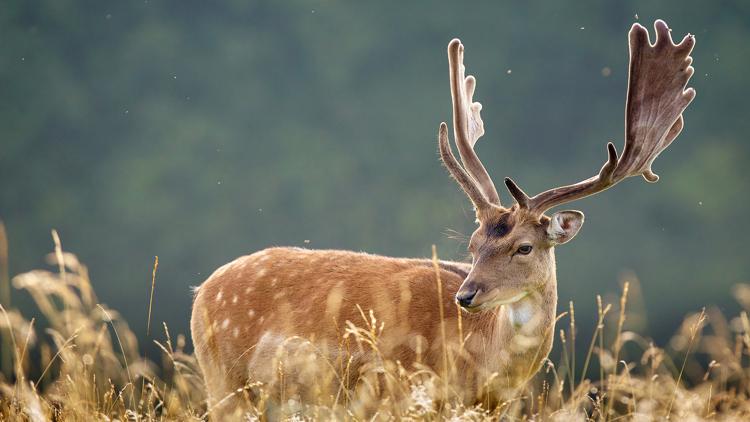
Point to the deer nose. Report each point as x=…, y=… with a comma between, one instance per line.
x=464, y=298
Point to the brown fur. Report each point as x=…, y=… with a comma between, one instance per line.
x=291, y=302
x=281, y=293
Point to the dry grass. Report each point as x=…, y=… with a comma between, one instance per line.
x=88, y=367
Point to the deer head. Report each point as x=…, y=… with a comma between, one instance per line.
x=513, y=247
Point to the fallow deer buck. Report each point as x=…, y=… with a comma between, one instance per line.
x=250, y=308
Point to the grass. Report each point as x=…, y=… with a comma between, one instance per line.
x=87, y=366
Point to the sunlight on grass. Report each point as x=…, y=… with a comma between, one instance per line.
x=85, y=364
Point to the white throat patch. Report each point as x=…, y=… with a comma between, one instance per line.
x=521, y=313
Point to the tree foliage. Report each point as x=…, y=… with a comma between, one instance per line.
x=199, y=132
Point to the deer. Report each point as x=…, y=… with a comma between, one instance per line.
x=501, y=307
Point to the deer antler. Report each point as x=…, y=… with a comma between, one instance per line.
x=467, y=121
x=656, y=98
x=468, y=184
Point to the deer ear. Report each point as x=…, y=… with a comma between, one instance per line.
x=564, y=225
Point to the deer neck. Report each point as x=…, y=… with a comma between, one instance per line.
x=534, y=315
x=525, y=331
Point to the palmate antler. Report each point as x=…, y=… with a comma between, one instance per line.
x=467, y=129
x=656, y=99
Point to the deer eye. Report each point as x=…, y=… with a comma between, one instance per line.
x=524, y=249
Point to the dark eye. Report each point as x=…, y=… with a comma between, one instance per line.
x=524, y=249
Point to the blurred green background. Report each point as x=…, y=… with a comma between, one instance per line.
x=200, y=131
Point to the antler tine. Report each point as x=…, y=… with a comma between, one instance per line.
x=553, y=197
x=517, y=193
x=658, y=75
x=467, y=121
x=462, y=177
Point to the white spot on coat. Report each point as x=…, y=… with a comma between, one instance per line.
x=225, y=324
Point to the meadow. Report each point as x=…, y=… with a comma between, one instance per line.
x=201, y=131
x=86, y=365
